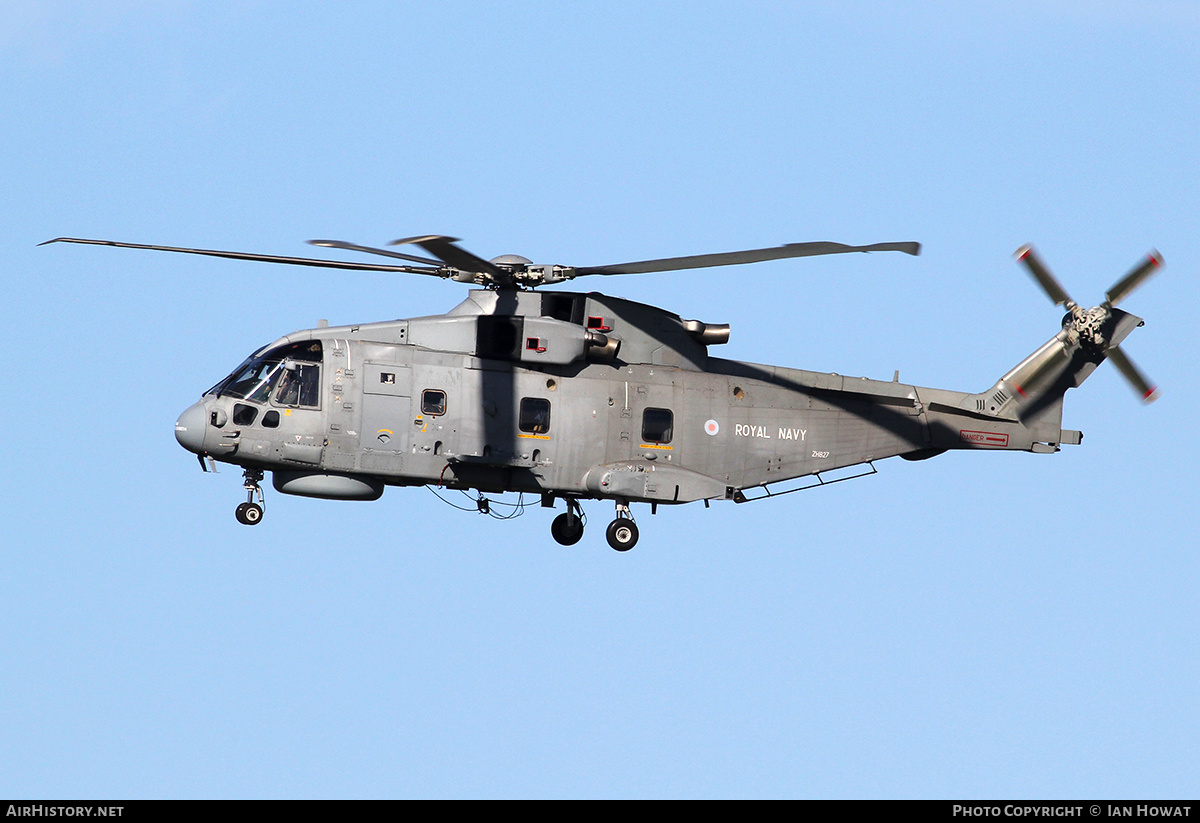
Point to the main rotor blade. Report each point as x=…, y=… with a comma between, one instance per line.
x=734, y=258
x=262, y=258
x=341, y=244
x=1135, y=377
x=1134, y=279
x=1057, y=293
x=443, y=249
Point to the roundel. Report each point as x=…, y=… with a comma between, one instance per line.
x=712, y=427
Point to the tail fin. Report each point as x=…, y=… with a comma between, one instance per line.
x=1023, y=410
x=1033, y=390
x=1065, y=360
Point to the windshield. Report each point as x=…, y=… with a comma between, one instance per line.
x=258, y=374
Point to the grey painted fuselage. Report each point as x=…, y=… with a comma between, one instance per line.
x=586, y=396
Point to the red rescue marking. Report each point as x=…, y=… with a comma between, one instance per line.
x=984, y=438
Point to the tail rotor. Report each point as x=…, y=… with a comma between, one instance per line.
x=1091, y=328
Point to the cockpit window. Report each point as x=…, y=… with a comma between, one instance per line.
x=259, y=374
x=252, y=380
x=299, y=385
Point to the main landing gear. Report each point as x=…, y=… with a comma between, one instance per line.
x=622, y=532
x=251, y=513
x=567, y=528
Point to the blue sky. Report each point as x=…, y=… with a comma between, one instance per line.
x=972, y=626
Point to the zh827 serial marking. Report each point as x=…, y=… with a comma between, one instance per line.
x=583, y=396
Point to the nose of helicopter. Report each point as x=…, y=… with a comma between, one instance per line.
x=189, y=428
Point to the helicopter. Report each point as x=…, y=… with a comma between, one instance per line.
x=577, y=396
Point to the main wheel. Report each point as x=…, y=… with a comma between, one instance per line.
x=622, y=534
x=566, y=532
x=240, y=513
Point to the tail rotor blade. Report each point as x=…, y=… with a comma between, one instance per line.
x=1136, y=276
x=1138, y=380
x=1045, y=279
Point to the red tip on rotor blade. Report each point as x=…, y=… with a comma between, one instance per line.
x=1151, y=395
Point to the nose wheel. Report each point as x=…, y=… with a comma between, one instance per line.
x=248, y=514
x=622, y=534
x=251, y=513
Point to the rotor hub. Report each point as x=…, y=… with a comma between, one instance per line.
x=512, y=262
x=1087, y=325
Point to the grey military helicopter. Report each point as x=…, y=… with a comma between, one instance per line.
x=575, y=396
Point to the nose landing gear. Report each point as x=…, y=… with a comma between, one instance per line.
x=251, y=513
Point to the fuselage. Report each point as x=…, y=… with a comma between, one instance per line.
x=562, y=394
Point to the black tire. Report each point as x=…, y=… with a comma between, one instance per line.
x=622, y=534
x=240, y=514
x=252, y=515
x=564, y=531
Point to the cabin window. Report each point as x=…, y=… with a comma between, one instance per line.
x=433, y=402
x=535, y=415
x=244, y=415
x=657, y=425
x=271, y=419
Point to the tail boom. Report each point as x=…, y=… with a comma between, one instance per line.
x=1022, y=411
